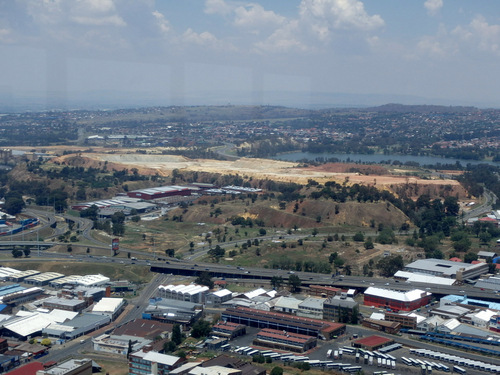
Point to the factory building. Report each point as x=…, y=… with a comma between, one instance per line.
x=396, y=300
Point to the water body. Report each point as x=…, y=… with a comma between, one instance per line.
x=379, y=158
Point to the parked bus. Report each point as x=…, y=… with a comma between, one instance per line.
x=459, y=370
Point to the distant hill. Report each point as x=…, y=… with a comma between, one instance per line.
x=402, y=108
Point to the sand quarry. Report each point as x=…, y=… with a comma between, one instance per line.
x=249, y=167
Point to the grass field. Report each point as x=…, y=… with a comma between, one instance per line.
x=134, y=274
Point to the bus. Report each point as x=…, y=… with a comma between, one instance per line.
x=351, y=369
x=459, y=370
x=406, y=361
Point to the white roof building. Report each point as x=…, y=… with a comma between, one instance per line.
x=28, y=323
x=482, y=318
x=107, y=304
x=406, y=296
x=214, y=370
x=155, y=357
x=422, y=278
x=92, y=280
x=191, y=293
x=5, y=272
x=110, y=307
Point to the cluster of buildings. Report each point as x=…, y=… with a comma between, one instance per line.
x=285, y=322
x=59, y=307
x=146, y=200
x=400, y=309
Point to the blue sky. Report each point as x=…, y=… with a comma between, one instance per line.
x=289, y=52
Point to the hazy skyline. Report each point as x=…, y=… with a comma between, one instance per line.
x=288, y=52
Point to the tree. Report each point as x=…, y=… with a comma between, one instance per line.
x=217, y=253
x=386, y=237
x=469, y=257
x=204, y=278
x=369, y=244
x=354, y=316
x=201, y=328
x=27, y=251
x=129, y=349
x=294, y=282
x=451, y=206
x=276, y=371
x=46, y=342
x=170, y=253
x=485, y=237
x=462, y=245
x=388, y=266
x=276, y=281
x=358, y=237
x=14, y=204
x=314, y=232
x=169, y=347
x=17, y=253
x=118, y=220
x=177, y=334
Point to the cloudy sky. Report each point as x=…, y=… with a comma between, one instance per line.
x=290, y=52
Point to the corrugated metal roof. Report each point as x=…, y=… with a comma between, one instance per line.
x=421, y=278
x=107, y=305
x=406, y=296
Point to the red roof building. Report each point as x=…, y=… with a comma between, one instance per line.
x=28, y=369
x=455, y=259
x=279, y=321
x=283, y=340
x=396, y=300
x=372, y=342
x=228, y=329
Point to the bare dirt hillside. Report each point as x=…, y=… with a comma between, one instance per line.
x=258, y=169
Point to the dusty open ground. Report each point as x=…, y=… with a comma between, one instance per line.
x=256, y=168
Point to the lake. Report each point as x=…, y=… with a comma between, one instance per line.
x=378, y=158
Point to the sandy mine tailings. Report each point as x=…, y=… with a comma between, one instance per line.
x=256, y=168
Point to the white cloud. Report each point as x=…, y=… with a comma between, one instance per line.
x=429, y=45
x=162, y=22
x=98, y=6
x=112, y=20
x=218, y=7
x=5, y=35
x=339, y=14
x=284, y=39
x=254, y=15
x=433, y=6
x=319, y=20
x=479, y=33
x=203, y=39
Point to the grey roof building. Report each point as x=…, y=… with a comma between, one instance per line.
x=447, y=268
x=492, y=283
x=339, y=309
x=311, y=308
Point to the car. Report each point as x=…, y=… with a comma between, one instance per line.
x=291, y=272
x=462, y=291
x=122, y=262
x=167, y=262
x=386, y=283
x=372, y=284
